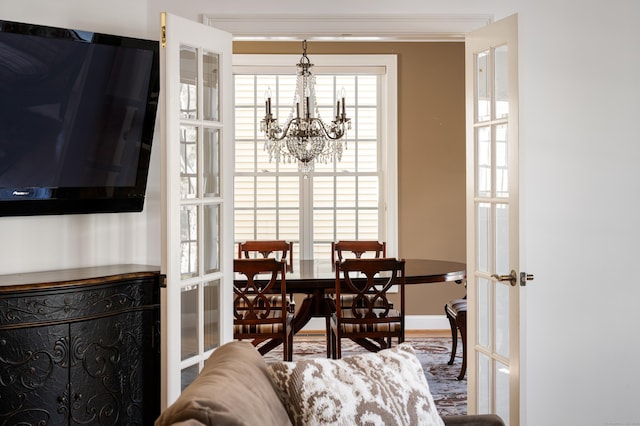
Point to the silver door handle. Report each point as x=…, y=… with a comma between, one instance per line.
x=512, y=277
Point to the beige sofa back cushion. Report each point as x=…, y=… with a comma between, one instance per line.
x=232, y=389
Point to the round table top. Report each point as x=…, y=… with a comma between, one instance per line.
x=316, y=274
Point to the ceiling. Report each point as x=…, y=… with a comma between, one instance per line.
x=418, y=28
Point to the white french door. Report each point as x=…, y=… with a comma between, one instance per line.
x=197, y=174
x=493, y=343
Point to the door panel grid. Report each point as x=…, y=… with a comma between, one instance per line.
x=492, y=224
x=196, y=60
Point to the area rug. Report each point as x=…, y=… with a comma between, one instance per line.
x=449, y=394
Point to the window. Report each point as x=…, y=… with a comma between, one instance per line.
x=346, y=199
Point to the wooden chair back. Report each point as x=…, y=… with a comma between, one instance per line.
x=367, y=316
x=261, y=309
x=357, y=248
x=266, y=248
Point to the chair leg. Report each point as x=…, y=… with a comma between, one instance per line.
x=461, y=321
x=285, y=349
x=454, y=336
x=328, y=333
x=336, y=349
x=289, y=345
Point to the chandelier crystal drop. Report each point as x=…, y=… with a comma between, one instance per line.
x=305, y=138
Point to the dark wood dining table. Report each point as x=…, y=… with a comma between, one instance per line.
x=314, y=278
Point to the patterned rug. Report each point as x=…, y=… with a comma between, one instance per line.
x=450, y=395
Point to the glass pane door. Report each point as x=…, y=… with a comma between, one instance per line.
x=198, y=251
x=493, y=293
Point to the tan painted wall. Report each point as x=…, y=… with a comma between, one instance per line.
x=431, y=152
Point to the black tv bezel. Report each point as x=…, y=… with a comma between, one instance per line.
x=86, y=200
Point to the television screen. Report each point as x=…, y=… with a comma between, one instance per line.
x=77, y=114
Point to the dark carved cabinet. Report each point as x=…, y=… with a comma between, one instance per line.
x=80, y=346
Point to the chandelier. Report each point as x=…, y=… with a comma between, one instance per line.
x=305, y=138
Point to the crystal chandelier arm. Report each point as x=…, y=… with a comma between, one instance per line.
x=337, y=129
x=274, y=131
x=295, y=128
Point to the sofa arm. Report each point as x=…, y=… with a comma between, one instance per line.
x=473, y=420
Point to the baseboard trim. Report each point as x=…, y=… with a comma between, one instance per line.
x=411, y=322
x=426, y=322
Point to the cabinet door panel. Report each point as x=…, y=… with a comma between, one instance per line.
x=33, y=375
x=107, y=378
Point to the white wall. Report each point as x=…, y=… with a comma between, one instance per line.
x=193, y=9
x=580, y=185
x=116, y=17
x=580, y=179
x=50, y=242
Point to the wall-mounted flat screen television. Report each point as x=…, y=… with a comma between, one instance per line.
x=77, y=116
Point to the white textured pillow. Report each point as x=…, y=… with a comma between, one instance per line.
x=384, y=388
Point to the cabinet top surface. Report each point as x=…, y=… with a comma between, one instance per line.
x=75, y=276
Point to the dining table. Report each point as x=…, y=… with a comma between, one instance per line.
x=315, y=278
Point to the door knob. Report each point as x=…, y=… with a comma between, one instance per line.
x=512, y=277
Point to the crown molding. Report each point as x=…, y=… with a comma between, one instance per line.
x=348, y=28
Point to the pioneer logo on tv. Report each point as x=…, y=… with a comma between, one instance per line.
x=25, y=193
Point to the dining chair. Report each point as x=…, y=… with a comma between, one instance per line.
x=370, y=319
x=261, y=308
x=357, y=248
x=456, y=312
x=280, y=249
x=266, y=248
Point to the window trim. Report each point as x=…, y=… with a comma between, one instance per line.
x=284, y=64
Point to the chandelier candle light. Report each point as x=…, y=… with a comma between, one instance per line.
x=305, y=138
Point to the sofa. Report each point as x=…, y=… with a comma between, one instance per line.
x=237, y=387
